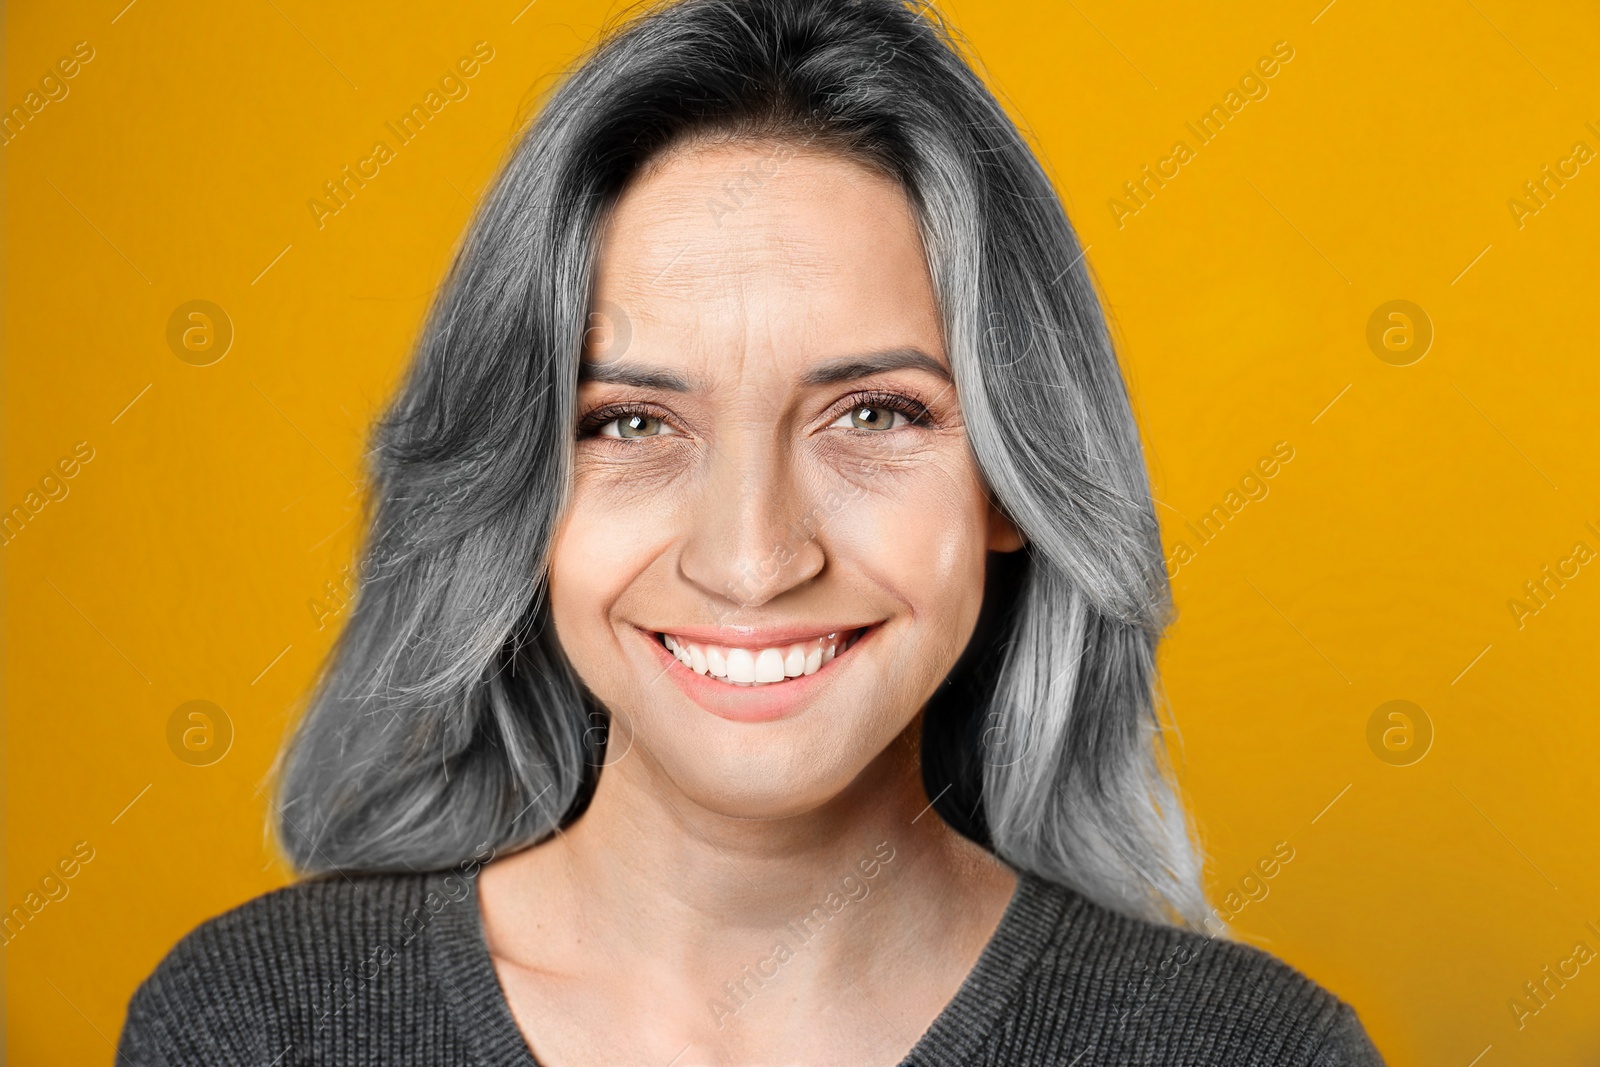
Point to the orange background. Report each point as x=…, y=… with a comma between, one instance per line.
x=189, y=558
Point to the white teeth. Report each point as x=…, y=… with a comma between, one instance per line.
x=760, y=666
x=741, y=666
x=769, y=665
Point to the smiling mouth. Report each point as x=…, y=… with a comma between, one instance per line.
x=755, y=667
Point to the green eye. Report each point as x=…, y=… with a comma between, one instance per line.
x=871, y=417
x=636, y=425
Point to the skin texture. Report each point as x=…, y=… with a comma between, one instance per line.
x=755, y=498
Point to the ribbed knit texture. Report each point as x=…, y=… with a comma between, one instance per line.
x=393, y=969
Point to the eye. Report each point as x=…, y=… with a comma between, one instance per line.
x=872, y=417
x=881, y=413
x=634, y=424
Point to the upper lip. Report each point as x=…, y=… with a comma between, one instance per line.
x=759, y=637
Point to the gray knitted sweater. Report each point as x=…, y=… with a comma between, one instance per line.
x=393, y=969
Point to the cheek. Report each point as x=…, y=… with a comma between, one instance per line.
x=923, y=534
x=604, y=540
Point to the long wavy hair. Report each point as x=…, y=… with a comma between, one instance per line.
x=447, y=717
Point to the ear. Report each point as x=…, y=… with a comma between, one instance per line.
x=1003, y=533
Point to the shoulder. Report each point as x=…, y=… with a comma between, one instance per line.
x=292, y=969
x=1135, y=991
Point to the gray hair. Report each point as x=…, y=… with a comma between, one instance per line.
x=447, y=717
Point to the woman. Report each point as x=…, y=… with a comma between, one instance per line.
x=755, y=651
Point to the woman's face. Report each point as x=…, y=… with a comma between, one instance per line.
x=772, y=479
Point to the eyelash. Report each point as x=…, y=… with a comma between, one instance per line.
x=916, y=412
x=590, y=424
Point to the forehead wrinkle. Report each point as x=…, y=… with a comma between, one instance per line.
x=757, y=256
x=766, y=251
x=694, y=209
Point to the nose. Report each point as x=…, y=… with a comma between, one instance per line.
x=751, y=537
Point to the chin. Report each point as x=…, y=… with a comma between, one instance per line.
x=771, y=771
x=761, y=801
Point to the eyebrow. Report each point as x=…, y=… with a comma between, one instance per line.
x=829, y=372
x=615, y=373
x=847, y=368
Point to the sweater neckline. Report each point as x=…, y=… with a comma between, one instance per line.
x=470, y=987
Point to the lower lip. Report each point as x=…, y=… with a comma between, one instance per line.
x=751, y=703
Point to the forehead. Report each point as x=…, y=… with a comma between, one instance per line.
x=763, y=249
